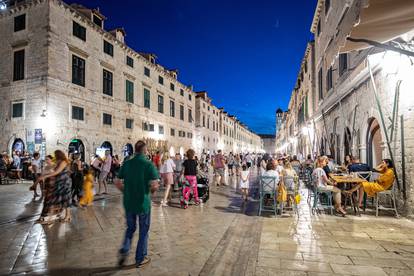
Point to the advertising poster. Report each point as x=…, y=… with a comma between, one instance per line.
x=38, y=136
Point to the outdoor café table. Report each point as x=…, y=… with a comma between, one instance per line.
x=351, y=180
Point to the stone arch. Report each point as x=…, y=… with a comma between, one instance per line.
x=87, y=146
x=374, y=142
x=77, y=146
x=107, y=145
x=18, y=145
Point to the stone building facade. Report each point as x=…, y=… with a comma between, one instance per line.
x=348, y=114
x=67, y=83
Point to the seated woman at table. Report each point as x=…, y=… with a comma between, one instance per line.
x=384, y=181
x=323, y=183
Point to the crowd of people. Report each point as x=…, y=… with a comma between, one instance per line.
x=67, y=181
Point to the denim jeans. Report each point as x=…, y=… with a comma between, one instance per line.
x=144, y=225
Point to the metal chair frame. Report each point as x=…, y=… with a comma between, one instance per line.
x=294, y=206
x=267, y=182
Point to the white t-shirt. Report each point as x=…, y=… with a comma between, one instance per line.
x=38, y=165
x=272, y=173
x=318, y=177
x=168, y=166
x=244, y=175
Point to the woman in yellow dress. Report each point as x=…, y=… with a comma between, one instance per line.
x=87, y=197
x=384, y=181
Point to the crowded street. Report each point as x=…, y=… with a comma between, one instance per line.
x=221, y=237
x=211, y=138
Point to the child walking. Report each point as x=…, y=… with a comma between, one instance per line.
x=87, y=197
x=244, y=182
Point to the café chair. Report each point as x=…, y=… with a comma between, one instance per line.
x=291, y=185
x=317, y=203
x=267, y=192
x=390, y=193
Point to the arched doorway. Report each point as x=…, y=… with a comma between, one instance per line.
x=374, y=143
x=128, y=150
x=347, y=142
x=18, y=145
x=107, y=146
x=77, y=146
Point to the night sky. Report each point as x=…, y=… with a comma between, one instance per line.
x=246, y=54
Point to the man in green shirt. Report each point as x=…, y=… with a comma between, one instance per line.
x=140, y=179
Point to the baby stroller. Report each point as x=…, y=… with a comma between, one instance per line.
x=203, y=189
x=185, y=187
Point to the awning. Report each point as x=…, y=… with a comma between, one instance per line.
x=381, y=21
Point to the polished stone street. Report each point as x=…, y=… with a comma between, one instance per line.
x=222, y=237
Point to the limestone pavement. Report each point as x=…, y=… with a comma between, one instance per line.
x=222, y=237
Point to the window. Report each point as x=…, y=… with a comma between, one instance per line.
x=130, y=61
x=160, y=80
x=78, y=70
x=129, y=123
x=329, y=79
x=208, y=123
x=147, y=98
x=17, y=110
x=160, y=129
x=172, y=108
x=79, y=31
x=160, y=104
x=182, y=112
x=327, y=6
x=108, y=48
x=107, y=119
x=172, y=132
x=147, y=72
x=204, y=105
x=343, y=63
x=77, y=113
x=190, y=116
x=147, y=126
x=204, y=121
x=320, y=84
x=18, y=65
x=107, y=82
x=20, y=22
x=189, y=135
x=97, y=20
x=129, y=91
x=306, y=66
x=181, y=92
x=181, y=133
x=172, y=86
x=189, y=97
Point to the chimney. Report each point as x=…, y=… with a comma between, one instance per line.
x=119, y=34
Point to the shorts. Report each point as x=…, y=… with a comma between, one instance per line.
x=230, y=166
x=219, y=171
x=167, y=178
x=103, y=175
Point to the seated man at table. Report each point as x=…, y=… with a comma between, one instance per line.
x=384, y=181
x=357, y=166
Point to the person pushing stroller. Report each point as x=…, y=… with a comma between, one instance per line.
x=189, y=183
